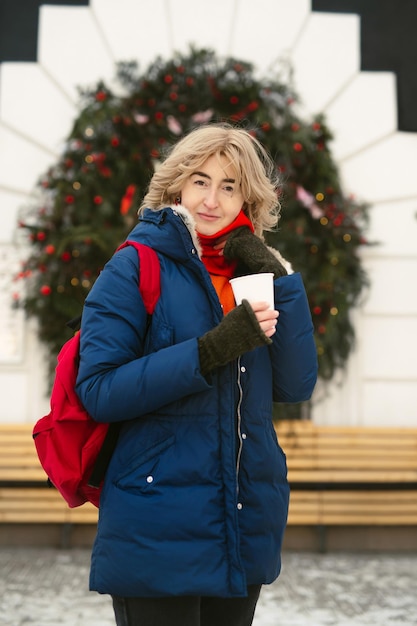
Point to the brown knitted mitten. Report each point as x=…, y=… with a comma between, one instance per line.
x=252, y=253
x=238, y=332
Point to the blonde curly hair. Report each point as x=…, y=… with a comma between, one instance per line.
x=255, y=171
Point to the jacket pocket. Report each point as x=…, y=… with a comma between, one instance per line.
x=142, y=471
x=282, y=457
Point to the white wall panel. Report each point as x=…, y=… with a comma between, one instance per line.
x=390, y=402
x=265, y=30
x=389, y=348
x=10, y=204
x=45, y=115
x=336, y=402
x=325, y=58
x=23, y=389
x=13, y=391
x=36, y=381
x=339, y=401
x=393, y=227
x=204, y=24
x=394, y=287
x=385, y=171
x=12, y=322
x=71, y=48
x=21, y=163
x=136, y=29
x=363, y=112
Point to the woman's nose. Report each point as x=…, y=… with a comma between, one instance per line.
x=210, y=199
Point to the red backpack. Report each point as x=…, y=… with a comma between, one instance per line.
x=74, y=450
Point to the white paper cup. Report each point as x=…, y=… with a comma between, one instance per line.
x=254, y=288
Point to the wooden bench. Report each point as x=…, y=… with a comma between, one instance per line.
x=350, y=476
x=339, y=476
x=25, y=497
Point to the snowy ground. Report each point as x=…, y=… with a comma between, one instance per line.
x=47, y=587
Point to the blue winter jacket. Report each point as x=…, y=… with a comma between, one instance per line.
x=195, y=498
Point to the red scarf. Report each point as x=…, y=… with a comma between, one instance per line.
x=218, y=264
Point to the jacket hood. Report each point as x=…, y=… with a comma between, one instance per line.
x=163, y=230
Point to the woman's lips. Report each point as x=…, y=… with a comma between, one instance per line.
x=208, y=217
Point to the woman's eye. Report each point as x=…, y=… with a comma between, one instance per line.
x=228, y=189
x=200, y=182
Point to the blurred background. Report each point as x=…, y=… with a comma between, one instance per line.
x=351, y=61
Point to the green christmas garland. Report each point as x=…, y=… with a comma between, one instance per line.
x=88, y=200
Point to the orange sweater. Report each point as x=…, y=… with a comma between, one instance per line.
x=224, y=291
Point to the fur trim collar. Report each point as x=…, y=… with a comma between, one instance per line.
x=281, y=259
x=189, y=222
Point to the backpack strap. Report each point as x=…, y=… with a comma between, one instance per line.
x=150, y=289
x=104, y=455
x=149, y=274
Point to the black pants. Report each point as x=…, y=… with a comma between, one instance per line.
x=187, y=610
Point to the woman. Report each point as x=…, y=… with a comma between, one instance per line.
x=195, y=499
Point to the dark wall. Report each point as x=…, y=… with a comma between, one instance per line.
x=19, y=27
x=388, y=39
x=388, y=43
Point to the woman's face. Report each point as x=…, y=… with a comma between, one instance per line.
x=212, y=196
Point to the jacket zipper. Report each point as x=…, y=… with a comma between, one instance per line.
x=239, y=426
